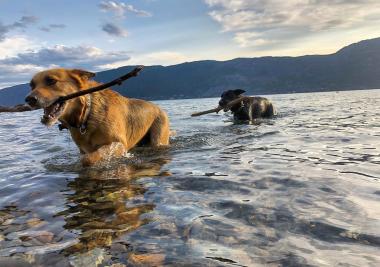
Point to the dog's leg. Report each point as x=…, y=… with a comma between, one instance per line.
x=106, y=152
x=250, y=114
x=159, y=131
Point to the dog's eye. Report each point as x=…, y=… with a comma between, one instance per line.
x=32, y=85
x=50, y=81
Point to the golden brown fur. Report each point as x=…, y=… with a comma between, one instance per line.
x=115, y=123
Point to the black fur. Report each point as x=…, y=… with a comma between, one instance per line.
x=248, y=109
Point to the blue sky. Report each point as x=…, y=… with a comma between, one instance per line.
x=98, y=35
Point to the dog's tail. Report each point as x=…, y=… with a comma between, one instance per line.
x=271, y=110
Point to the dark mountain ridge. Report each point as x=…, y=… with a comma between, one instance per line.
x=356, y=66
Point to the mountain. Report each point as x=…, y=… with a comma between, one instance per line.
x=356, y=66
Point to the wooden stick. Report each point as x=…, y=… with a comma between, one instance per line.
x=207, y=112
x=117, y=81
x=219, y=108
x=17, y=108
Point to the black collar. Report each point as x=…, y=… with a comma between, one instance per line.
x=83, y=125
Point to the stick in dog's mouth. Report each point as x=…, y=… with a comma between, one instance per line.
x=52, y=113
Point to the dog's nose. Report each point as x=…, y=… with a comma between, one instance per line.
x=31, y=100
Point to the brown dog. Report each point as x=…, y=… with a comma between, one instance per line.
x=103, y=124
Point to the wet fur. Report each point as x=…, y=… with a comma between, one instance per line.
x=115, y=123
x=250, y=108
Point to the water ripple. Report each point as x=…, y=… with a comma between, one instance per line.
x=299, y=190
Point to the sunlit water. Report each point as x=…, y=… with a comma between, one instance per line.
x=302, y=189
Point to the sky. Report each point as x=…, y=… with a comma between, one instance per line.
x=97, y=35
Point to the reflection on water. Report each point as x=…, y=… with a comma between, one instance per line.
x=97, y=207
x=299, y=190
x=101, y=204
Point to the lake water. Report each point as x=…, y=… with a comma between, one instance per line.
x=302, y=189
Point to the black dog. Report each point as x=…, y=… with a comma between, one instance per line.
x=248, y=109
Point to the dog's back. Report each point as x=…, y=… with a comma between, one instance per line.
x=252, y=108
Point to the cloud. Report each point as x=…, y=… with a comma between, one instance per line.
x=21, y=66
x=247, y=39
x=22, y=23
x=57, y=26
x=262, y=22
x=4, y=29
x=120, y=9
x=45, y=29
x=164, y=58
x=16, y=74
x=114, y=30
x=87, y=57
x=51, y=27
x=11, y=46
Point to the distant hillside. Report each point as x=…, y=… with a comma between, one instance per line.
x=356, y=66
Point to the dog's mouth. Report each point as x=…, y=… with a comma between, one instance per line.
x=225, y=109
x=223, y=104
x=52, y=113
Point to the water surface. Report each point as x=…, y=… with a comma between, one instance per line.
x=302, y=189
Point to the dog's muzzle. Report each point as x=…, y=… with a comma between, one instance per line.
x=31, y=101
x=222, y=103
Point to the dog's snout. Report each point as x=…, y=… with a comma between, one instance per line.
x=31, y=100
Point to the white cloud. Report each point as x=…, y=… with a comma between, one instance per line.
x=164, y=58
x=88, y=57
x=161, y=58
x=247, y=39
x=263, y=22
x=12, y=74
x=120, y=9
x=21, y=66
x=11, y=46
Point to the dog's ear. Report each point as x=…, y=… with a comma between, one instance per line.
x=81, y=76
x=83, y=73
x=239, y=91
